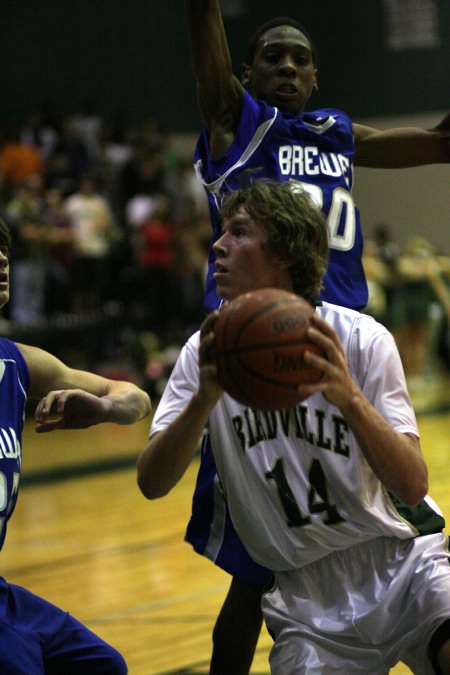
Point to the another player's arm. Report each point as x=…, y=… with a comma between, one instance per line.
x=79, y=398
x=219, y=92
x=395, y=458
x=402, y=147
x=168, y=453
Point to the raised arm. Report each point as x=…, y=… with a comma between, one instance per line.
x=219, y=92
x=78, y=398
x=402, y=147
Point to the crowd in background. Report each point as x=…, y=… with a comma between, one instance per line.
x=101, y=213
x=108, y=218
x=409, y=292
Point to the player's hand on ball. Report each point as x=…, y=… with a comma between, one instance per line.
x=336, y=384
x=209, y=388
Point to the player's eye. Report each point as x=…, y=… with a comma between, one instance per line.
x=239, y=232
x=272, y=57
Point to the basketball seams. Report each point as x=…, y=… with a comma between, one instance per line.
x=264, y=375
x=228, y=354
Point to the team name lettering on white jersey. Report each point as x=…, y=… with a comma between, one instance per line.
x=254, y=426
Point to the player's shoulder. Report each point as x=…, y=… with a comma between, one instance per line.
x=349, y=320
x=9, y=349
x=10, y=352
x=326, y=119
x=189, y=351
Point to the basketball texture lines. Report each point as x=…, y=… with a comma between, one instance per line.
x=260, y=340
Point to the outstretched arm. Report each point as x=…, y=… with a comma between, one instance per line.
x=219, y=92
x=79, y=398
x=402, y=147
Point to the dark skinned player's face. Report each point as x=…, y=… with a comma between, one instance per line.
x=282, y=73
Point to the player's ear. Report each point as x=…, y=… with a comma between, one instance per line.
x=316, y=84
x=245, y=74
x=285, y=262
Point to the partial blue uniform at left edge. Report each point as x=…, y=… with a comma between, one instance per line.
x=36, y=637
x=14, y=384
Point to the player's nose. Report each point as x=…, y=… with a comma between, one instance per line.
x=219, y=245
x=287, y=65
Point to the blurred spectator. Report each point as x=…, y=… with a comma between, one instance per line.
x=143, y=173
x=379, y=279
x=192, y=236
x=155, y=259
x=88, y=124
x=389, y=253
x=18, y=160
x=38, y=132
x=437, y=270
x=188, y=192
x=416, y=267
x=94, y=231
x=61, y=261
x=29, y=254
x=115, y=151
x=69, y=160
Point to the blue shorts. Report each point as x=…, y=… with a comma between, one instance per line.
x=211, y=532
x=38, y=638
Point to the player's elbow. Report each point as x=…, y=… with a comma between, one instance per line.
x=151, y=486
x=150, y=478
x=413, y=490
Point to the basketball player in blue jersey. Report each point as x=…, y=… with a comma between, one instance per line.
x=259, y=128
x=37, y=638
x=330, y=493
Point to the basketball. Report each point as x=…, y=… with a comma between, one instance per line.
x=260, y=338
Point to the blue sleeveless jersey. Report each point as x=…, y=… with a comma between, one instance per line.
x=14, y=384
x=315, y=151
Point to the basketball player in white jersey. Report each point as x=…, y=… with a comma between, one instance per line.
x=330, y=494
x=263, y=123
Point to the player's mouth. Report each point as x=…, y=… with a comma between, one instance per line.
x=287, y=90
x=220, y=271
x=3, y=280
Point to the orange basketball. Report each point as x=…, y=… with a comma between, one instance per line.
x=260, y=338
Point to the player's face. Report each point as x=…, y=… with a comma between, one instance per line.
x=282, y=73
x=243, y=261
x=4, y=275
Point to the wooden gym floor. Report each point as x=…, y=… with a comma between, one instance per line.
x=83, y=537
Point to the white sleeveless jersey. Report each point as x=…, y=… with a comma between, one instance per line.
x=297, y=485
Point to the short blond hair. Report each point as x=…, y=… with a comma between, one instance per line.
x=296, y=229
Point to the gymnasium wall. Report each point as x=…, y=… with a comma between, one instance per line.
x=133, y=54
x=380, y=60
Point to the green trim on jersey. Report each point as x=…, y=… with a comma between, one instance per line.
x=422, y=517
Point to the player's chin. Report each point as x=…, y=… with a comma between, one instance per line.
x=225, y=291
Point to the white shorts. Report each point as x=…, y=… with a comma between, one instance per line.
x=360, y=610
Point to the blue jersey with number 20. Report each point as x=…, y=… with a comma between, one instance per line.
x=314, y=151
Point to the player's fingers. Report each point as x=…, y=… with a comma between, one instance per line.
x=329, y=342
x=323, y=327
x=208, y=324
x=49, y=425
x=46, y=404
x=205, y=351
x=331, y=368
